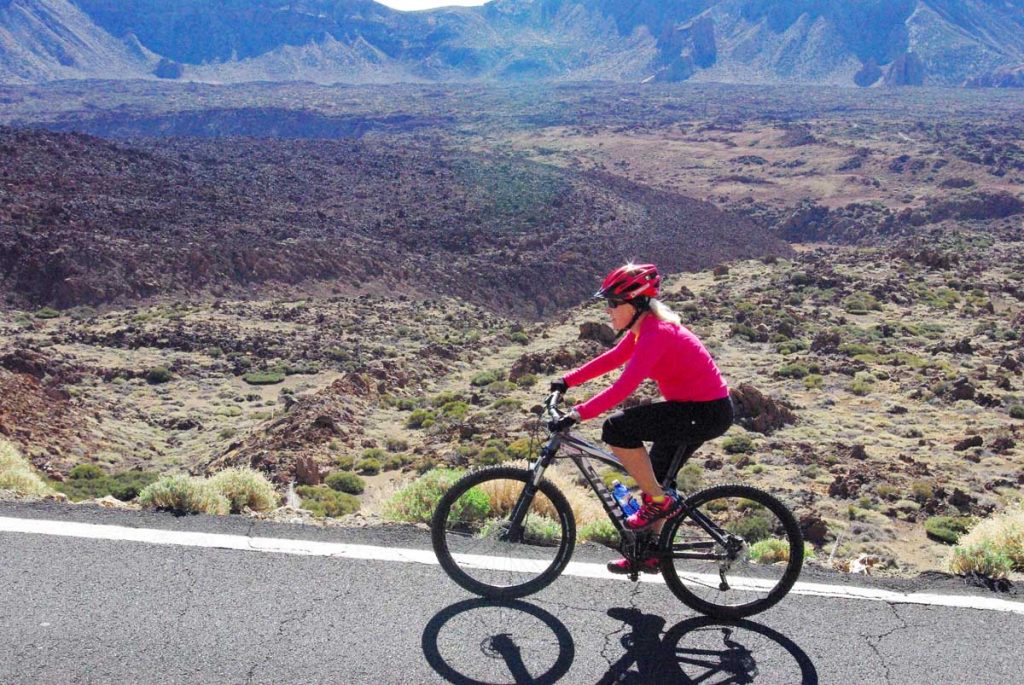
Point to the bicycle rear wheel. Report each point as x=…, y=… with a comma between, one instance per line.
x=750, y=568
x=475, y=543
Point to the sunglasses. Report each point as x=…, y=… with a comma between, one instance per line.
x=612, y=303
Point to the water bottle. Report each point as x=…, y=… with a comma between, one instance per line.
x=625, y=498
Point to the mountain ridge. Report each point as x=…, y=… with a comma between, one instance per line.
x=829, y=42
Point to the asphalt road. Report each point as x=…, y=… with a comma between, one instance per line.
x=76, y=610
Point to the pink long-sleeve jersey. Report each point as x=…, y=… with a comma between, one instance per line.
x=671, y=355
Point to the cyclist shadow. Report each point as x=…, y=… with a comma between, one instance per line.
x=521, y=643
x=704, y=650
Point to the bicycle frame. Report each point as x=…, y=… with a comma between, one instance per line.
x=580, y=451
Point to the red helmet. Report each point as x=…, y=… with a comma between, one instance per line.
x=629, y=282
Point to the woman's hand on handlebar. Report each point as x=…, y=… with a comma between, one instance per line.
x=563, y=422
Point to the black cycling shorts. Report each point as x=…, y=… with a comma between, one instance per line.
x=668, y=425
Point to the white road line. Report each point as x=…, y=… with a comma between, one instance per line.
x=422, y=556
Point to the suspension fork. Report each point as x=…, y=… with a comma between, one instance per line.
x=522, y=505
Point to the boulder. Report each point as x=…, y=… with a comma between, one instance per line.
x=757, y=412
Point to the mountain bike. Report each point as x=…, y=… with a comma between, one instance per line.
x=505, y=532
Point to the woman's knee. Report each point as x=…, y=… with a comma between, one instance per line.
x=616, y=431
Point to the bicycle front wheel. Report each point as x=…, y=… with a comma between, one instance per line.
x=479, y=547
x=735, y=552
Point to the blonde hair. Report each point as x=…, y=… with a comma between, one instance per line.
x=664, y=312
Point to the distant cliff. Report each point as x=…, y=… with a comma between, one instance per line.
x=837, y=42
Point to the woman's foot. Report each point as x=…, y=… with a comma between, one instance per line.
x=653, y=509
x=622, y=566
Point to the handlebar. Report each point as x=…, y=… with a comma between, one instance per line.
x=551, y=406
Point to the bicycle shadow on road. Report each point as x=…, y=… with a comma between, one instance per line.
x=521, y=643
x=705, y=650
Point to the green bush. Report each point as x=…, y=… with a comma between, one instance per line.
x=264, y=377
x=456, y=410
x=486, y=378
x=47, y=313
x=526, y=380
x=88, y=481
x=245, y=487
x=346, y=481
x=1017, y=411
x=814, y=381
x=690, y=478
x=421, y=418
x=738, y=444
x=752, y=528
x=17, y=475
x=600, y=531
x=325, y=502
x=158, y=375
x=396, y=445
x=86, y=472
x=769, y=551
x=415, y=502
x=984, y=559
x=947, y=529
x=861, y=303
x=184, y=495
x=368, y=467
x=520, y=448
x=793, y=371
x=863, y=383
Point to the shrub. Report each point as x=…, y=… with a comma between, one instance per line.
x=264, y=377
x=421, y=418
x=491, y=455
x=184, y=495
x=158, y=375
x=17, y=475
x=752, y=527
x=395, y=461
x=86, y=472
x=1017, y=411
x=863, y=383
x=396, y=445
x=245, y=487
x=415, y=502
x=983, y=559
x=769, y=551
x=1004, y=532
x=47, y=313
x=369, y=467
x=345, y=461
x=456, y=410
x=346, y=481
x=793, y=371
x=922, y=490
x=947, y=529
x=325, y=502
x=520, y=448
x=861, y=303
x=738, y=444
x=527, y=380
x=486, y=378
x=690, y=478
x=88, y=481
x=601, y=531
x=814, y=381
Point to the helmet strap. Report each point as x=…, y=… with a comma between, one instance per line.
x=640, y=305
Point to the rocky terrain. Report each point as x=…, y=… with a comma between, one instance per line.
x=825, y=42
x=85, y=221
x=398, y=299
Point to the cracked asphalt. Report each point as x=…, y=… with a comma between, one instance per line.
x=91, y=611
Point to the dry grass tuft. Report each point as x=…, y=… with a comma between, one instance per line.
x=17, y=476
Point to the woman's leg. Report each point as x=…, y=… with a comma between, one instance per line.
x=638, y=465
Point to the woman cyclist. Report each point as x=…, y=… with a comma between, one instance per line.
x=697, y=407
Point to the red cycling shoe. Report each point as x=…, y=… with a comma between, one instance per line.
x=622, y=566
x=652, y=511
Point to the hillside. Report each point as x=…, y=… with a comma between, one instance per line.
x=86, y=221
x=874, y=42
